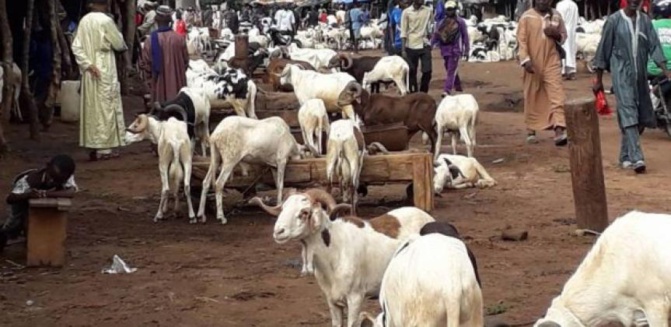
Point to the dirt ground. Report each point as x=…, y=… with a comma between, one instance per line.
x=235, y=275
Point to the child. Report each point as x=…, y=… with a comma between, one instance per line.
x=55, y=180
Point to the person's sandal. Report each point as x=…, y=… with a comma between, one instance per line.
x=562, y=138
x=531, y=138
x=639, y=167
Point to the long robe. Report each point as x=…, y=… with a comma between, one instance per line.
x=101, y=124
x=173, y=71
x=569, y=12
x=543, y=91
x=624, y=50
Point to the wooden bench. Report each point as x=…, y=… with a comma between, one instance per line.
x=47, y=221
x=416, y=168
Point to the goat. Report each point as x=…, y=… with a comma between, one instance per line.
x=457, y=115
x=392, y=68
x=313, y=120
x=337, y=90
x=459, y=172
x=350, y=254
x=448, y=229
x=624, y=278
x=275, y=68
x=249, y=141
x=193, y=104
x=415, y=110
x=418, y=290
x=174, y=155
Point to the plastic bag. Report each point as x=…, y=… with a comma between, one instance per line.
x=118, y=267
x=601, y=103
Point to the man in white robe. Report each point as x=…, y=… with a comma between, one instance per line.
x=569, y=12
x=101, y=126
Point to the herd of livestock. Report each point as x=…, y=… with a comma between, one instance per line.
x=392, y=255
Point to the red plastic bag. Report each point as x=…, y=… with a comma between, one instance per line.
x=601, y=104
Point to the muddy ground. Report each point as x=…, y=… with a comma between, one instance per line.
x=235, y=275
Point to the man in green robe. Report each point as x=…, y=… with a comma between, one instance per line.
x=627, y=40
x=662, y=24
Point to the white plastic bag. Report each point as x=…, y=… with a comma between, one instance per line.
x=118, y=267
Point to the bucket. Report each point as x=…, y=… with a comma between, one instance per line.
x=69, y=99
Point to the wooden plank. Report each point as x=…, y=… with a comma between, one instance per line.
x=47, y=225
x=392, y=168
x=589, y=190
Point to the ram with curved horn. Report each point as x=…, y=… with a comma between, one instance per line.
x=350, y=254
x=356, y=67
x=301, y=204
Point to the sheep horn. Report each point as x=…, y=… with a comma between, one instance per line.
x=322, y=197
x=379, y=147
x=348, y=59
x=177, y=109
x=275, y=211
x=156, y=107
x=339, y=210
x=359, y=90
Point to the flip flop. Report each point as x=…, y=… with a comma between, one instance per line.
x=561, y=140
x=531, y=139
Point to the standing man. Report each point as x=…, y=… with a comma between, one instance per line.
x=101, y=126
x=416, y=47
x=165, y=58
x=569, y=12
x=395, y=15
x=149, y=23
x=355, y=18
x=540, y=33
x=452, y=37
x=627, y=40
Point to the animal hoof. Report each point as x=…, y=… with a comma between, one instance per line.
x=156, y=219
x=223, y=221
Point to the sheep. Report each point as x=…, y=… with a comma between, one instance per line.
x=233, y=87
x=248, y=141
x=392, y=68
x=457, y=115
x=415, y=110
x=344, y=156
x=318, y=58
x=193, y=104
x=313, y=120
x=337, y=90
x=350, y=254
x=624, y=278
x=448, y=229
x=354, y=66
x=175, y=155
x=418, y=290
x=459, y=172
x=275, y=68
x=257, y=54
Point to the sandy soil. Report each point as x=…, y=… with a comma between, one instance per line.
x=235, y=275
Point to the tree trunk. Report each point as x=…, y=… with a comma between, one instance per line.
x=128, y=30
x=66, y=56
x=47, y=113
x=7, y=62
x=26, y=92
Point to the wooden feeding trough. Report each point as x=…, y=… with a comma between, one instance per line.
x=415, y=168
x=47, y=220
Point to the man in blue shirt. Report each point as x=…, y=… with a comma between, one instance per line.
x=356, y=21
x=395, y=23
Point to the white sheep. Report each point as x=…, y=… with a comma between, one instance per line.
x=458, y=172
x=430, y=282
x=390, y=68
x=174, y=156
x=350, y=254
x=457, y=115
x=313, y=120
x=15, y=80
x=244, y=140
x=625, y=278
x=337, y=90
x=318, y=58
x=345, y=151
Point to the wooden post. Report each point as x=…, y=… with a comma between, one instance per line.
x=242, y=51
x=47, y=232
x=589, y=191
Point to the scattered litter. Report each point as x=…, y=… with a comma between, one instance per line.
x=583, y=232
x=30, y=302
x=18, y=266
x=499, y=160
x=118, y=266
